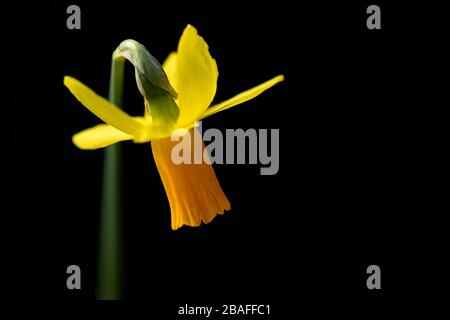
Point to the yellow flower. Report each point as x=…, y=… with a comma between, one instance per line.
x=193, y=190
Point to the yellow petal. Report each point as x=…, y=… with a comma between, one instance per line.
x=99, y=136
x=242, y=97
x=193, y=73
x=169, y=66
x=194, y=193
x=103, y=135
x=102, y=108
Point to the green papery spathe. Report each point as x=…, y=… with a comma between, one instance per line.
x=152, y=82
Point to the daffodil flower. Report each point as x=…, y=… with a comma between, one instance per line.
x=193, y=191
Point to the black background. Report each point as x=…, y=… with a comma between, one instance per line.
x=344, y=198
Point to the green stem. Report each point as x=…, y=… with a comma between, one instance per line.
x=109, y=285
